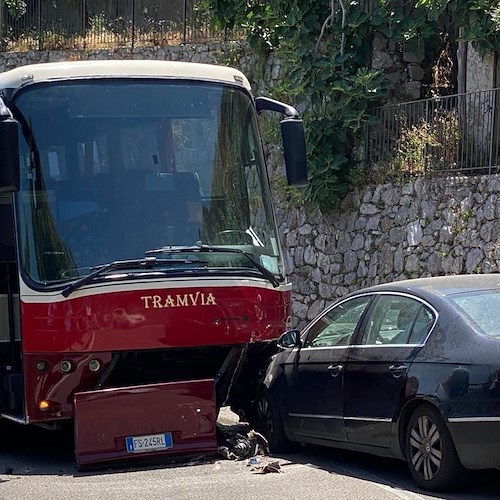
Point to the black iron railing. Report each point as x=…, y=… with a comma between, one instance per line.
x=457, y=134
x=94, y=24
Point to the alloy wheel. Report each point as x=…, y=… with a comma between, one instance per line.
x=265, y=416
x=426, y=447
x=271, y=426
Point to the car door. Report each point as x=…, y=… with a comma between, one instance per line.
x=391, y=335
x=315, y=377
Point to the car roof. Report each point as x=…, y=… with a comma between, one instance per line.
x=44, y=72
x=441, y=285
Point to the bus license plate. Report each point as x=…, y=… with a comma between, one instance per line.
x=138, y=444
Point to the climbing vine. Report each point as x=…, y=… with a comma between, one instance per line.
x=326, y=48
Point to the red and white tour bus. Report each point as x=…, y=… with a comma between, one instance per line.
x=141, y=273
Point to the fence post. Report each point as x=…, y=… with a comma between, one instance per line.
x=184, y=27
x=133, y=24
x=84, y=24
x=40, y=43
x=1, y=24
x=492, y=131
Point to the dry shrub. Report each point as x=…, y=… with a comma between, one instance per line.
x=427, y=146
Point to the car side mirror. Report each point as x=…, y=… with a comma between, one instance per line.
x=290, y=339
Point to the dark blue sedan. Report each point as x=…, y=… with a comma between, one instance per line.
x=409, y=370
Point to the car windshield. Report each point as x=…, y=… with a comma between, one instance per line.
x=483, y=307
x=114, y=169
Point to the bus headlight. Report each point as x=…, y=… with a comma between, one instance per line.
x=94, y=365
x=41, y=366
x=65, y=366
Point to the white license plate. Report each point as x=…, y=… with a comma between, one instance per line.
x=138, y=444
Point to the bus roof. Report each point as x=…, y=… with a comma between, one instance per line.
x=65, y=70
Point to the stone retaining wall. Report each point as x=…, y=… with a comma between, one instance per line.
x=208, y=53
x=391, y=232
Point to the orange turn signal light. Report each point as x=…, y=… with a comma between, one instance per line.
x=43, y=405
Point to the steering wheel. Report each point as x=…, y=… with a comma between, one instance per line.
x=234, y=236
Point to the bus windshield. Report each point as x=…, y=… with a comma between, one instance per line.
x=119, y=168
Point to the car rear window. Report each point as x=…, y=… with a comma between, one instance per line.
x=483, y=308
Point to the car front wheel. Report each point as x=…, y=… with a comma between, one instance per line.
x=269, y=423
x=430, y=452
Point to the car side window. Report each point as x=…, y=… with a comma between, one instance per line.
x=396, y=319
x=336, y=327
x=422, y=326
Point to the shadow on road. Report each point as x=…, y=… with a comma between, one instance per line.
x=36, y=451
x=32, y=450
x=391, y=473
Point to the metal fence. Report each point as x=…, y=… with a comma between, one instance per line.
x=93, y=24
x=458, y=134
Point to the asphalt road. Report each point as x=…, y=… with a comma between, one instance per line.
x=38, y=464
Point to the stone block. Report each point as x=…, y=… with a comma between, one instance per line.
x=415, y=72
x=411, y=90
x=414, y=51
x=379, y=41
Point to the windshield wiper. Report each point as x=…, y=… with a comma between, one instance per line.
x=275, y=279
x=148, y=262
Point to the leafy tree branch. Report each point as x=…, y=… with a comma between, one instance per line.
x=326, y=47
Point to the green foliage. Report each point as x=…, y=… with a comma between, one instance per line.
x=289, y=197
x=330, y=82
x=326, y=47
x=269, y=128
x=480, y=20
x=16, y=8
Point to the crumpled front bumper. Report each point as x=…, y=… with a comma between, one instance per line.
x=185, y=411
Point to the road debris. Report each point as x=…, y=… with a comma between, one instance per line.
x=268, y=468
x=237, y=446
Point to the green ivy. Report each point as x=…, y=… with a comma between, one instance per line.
x=326, y=48
x=16, y=8
x=479, y=19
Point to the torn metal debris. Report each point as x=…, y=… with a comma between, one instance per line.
x=237, y=446
x=266, y=469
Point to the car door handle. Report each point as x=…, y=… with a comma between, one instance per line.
x=335, y=370
x=397, y=370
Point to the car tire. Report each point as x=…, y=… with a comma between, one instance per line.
x=269, y=424
x=430, y=452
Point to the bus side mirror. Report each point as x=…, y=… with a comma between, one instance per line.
x=294, y=148
x=9, y=151
x=9, y=156
x=294, y=143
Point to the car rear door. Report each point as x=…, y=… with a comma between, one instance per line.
x=391, y=335
x=314, y=380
